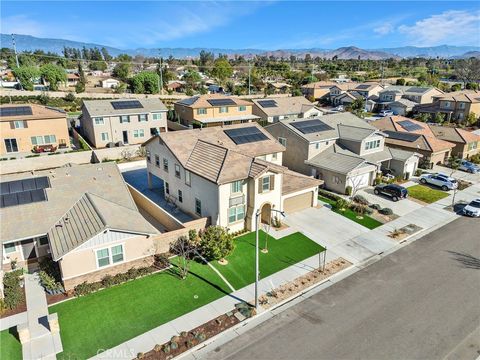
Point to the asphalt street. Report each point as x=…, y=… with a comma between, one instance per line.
x=421, y=302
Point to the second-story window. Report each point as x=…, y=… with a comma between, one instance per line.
x=242, y=108
x=372, y=144
x=266, y=184
x=202, y=111
x=124, y=119
x=165, y=165
x=461, y=105
x=180, y=195
x=274, y=156
x=177, y=171
x=157, y=160
x=188, y=179
x=223, y=109
x=236, y=187
x=142, y=117
x=148, y=156
x=282, y=141
x=99, y=121
x=447, y=104
x=20, y=124
x=157, y=116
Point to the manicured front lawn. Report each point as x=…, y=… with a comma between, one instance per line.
x=111, y=316
x=426, y=194
x=10, y=347
x=367, y=221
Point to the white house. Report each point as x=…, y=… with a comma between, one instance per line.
x=109, y=83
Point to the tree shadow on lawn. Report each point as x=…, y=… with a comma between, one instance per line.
x=468, y=261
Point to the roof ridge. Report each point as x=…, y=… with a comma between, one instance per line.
x=88, y=196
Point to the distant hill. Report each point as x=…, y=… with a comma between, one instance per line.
x=30, y=43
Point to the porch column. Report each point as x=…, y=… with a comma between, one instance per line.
x=149, y=179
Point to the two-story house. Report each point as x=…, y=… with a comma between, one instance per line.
x=24, y=126
x=228, y=174
x=122, y=122
x=340, y=149
x=453, y=106
x=214, y=110
x=279, y=109
x=466, y=143
x=317, y=90
x=417, y=94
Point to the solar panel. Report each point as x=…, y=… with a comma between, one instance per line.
x=16, y=111
x=16, y=186
x=267, y=103
x=22, y=198
x=127, y=104
x=221, y=102
x=409, y=125
x=363, y=86
x=245, y=135
x=417, y=89
x=310, y=126
x=397, y=135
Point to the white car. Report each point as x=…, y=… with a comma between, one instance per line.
x=472, y=209
x=443, y=181
x=384, y=113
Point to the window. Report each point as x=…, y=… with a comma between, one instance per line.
x=336, y=180
x=50, y=139
x=41, y=140
x=20, y=124
x=124, y=119
x=317, y=146
x=447, y=104
x=276, y=118
x=167, y=188
x=188, y=180
x=157, y=160
x=142, y=117
x=472, y=145
x=43, y=240
x=104, y=136
x=265, y=184
x=180, y=195
x=9, y=248
x=242, y=108
x=372, y=144
x=202, y=111
x=157, y=116
x=236, y=187
x=165, y=165
x=274, y=156
x=177, y=171
x=198, y=207
x=103, y=257
x=99, y=121
x=236, y=213
x=11, y=145
x=117, y=254
x=461, y=105
x=148, y=156
x=223, y=109
x=37, y=140
x=138, y=133
x=282, y=141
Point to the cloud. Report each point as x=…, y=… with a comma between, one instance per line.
x=21, y=24
x=450, y=27
x=384, y=29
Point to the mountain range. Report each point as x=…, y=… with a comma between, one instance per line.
x=30, y=43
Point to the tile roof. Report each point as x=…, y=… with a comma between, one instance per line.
x=285, y=106
x=39, y=112
x=337, y=159
x=201, y=101
x=105, y=108
x=470, y=96
x=320, y=85
x=454, y=134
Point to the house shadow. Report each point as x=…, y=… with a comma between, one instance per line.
x=466, y=260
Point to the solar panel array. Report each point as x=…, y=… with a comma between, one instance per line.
x=267, y=103
x=221, y=102
x=397, y=135
x=16, y=111
x=25, y=191
x=363, y=86
x=310, y=126
x=417, y=89
x=410, y=125
x=245, y=135
x=126, y=104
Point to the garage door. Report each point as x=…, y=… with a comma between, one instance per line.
x=410, y=168
x=299, y=202
x=359, y=181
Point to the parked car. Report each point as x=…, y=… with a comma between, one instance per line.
x=384, y=113
x=443, y=181
x=396, y=192
x=472, y=209
x=468, y=166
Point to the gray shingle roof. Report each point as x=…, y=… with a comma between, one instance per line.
x=337, y=159
x=285, y=106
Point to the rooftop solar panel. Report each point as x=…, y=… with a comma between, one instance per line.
x=245, y=135
x=417, y=89
x=127, y=104
x=16, y=111
x=409, y=125
x=310, y=126
x=22, y=198
x=397, y=135
x=267, y=103
x=221, y=102
x=16, y=186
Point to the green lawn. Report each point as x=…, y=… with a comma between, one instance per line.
x=10, y=347
x=426, y=194
x=109, y=317
x=367, y=221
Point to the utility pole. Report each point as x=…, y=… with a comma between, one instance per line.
x=249, y=76
x=16, y=57
x=160, y=85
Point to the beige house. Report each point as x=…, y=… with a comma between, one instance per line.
x=417, y=94
x=214, y=110
x=466, y=142
x=453, y=106
x=340, y=149
x=227, y=174
x=317, y=90
x=121, y=122
x=279, y=109
x=24, y=126
x=81, y=216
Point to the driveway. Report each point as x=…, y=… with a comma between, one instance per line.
x=400, y=208
x=457, y=174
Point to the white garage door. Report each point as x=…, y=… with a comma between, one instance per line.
x=299, y=202
x=410, y=168
x=359, y=181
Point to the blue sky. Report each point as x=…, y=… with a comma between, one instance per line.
x=248, y=24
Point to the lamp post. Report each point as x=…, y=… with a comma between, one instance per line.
x=257, y=272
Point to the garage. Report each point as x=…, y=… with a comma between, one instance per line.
x=298, y=202
x=410, y=168
x=359, y=181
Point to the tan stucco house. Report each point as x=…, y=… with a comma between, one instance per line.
x=122, y=121
x=228, y=174
x=24, y=126
x=214, y=110
x=284, y=108
x=466, y=143
x=417, y=94
x=317, y=90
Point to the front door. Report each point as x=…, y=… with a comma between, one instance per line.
x=125, y=137
x=28, y=249
x=11, y=145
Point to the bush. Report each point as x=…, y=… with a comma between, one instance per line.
x=216, y=243
x=348, y=190
x=360, y=200
x=368, y=210
x=358, y=208
x=386, y=211
x=341, y=204
x=48, y=282
x=12, y=289
x=419, y=172
x=86, y=288
x=329, y=195
x=375, y=206
x=107, y=281
x=173, y=345
x=161, y=261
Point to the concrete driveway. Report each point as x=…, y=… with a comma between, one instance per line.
x=400, y=208
x=458, y=174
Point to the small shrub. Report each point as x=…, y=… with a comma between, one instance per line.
x=341, y=204
x=386, y=211
x=277, y=223
x=161, y=261
x=375, y=206
x=200, y=336
x=107, y=281
x=189, y=344
x=173, y=345
x=86, y=288
x=33, y=155
x=360, y=200
x=166, y=348
x=368, y=210
x=329, y=195
x=358, y=208
x=140, y=355
x=348, y=190
x=157, y=348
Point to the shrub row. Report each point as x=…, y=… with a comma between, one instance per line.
x=329, y=195
x=13, y=289
x=386, y=211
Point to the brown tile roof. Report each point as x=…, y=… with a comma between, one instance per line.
x=285, y=105
x=454, y=134
x=39, y=112
x=470, y=96
x=201, y=101
x=320, y=85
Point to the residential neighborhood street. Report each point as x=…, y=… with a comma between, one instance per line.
x=420, y=302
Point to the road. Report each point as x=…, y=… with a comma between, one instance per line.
x=421, y=302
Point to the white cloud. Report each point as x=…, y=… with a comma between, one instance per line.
x=453, y=27
x=384, y=29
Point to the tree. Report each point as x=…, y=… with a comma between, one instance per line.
x=105, y=54
x=471, y=86
x=53, y=74
x=122, y=70
x=26, y=75
x=471, y=119
x=455, y=87
x=400, y=82
x=423, y=117
x=186, y=251
x=438, y=118
x=191, y=78
x=454, y=163
x=222, y=70
x=145, y=82
x=467, y=70
x=98, y=65
x=79, y=87
x=216, y=243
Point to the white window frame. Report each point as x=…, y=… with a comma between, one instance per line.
x=19, y=124
x=99, y=120
x=202, y=111
x=373, y=144
x=104, y=257
x=274, y=156
x=157, y=160
x=149, y=158
x=157, y=116
x=188, y=178
x=104, y=138
x=223, y=109
x=236, y=187
x=242, y=108
x=5, y=251
x=138, y=133
x=178, y=174
x=142, y=118
x=282, y=141
x=165, y=164
x=167, y=188
x=111, y=254
x=237, y=214
x=265, y=183
x=198, y=207
x=126, y=120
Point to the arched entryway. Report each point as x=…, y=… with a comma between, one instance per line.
x=266, y=213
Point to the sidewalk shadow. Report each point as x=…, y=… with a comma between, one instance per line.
x=468, y=261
